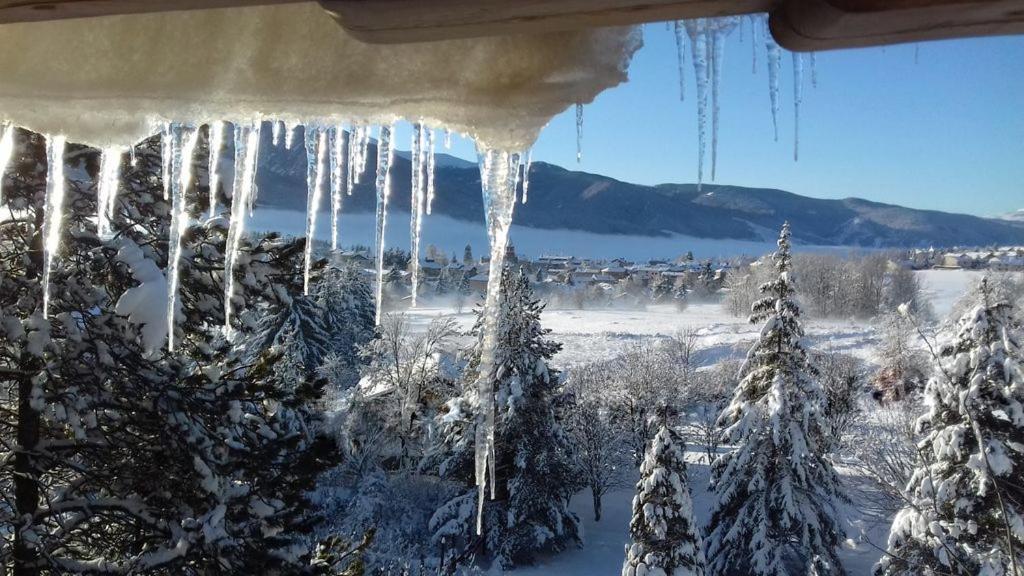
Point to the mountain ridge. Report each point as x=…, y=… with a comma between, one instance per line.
x=573, y=200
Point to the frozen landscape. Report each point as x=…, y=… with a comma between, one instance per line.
x=260, y=314
x=595, y=335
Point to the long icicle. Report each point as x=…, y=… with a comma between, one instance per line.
x=697, y=30
x=246, y=147
x=417, y=198
x=716, y=53
x=680, y=33
x=106, y=189
x=216, y=145
x=798, y=96
x=774, y=66
x=497, y=177
x=364, y=146
x=182, y=147
x=431, y=169
x=316, y=154
x=339, y=178
x=165, y=159
x=6, y=150
x=814, y=69
x=721, y=28
x=579, y=133
x=53, y=213
x=526, y=175
x=755, y=25
x=251, y=190
x=383, y=186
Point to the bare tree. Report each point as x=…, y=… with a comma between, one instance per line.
x=884, y=447
x=403, y=370
x=600, y=452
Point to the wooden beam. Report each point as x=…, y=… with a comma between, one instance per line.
x=806, y=25
x=796, y=24
x=37, y=11
x=399, y=21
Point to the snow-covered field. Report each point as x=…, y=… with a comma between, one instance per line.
x=589, y=335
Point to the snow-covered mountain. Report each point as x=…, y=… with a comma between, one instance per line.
x=1015, y=216
x=561, y=199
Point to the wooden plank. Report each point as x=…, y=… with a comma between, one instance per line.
x=805, y=25
x=397, y=21
x=36, y=11
x=796, y=24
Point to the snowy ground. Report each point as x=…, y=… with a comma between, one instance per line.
x=589, y=335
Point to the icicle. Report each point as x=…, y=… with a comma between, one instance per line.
x=165, y=160
x=6, y=149
x=216, y=144
x=246, y=147
x=447, y=139
x=431, y=169
x=680, y=31
x=721, y=27
x=814, y=70
x=53, y=212
x=579, y=133
x=182, y=147
x=358, y=149
x=106, y=189
x=917, y=54
x=316, y=153
x=383, y=185
x=275, y=132
x=798, y=89
x=697, y=30
x=132, y=158
x=754, y=26
x=526, y=175
x=417, y=197
x=497, y=176
x=339, y=178
x=774, y=65
x=289, y=135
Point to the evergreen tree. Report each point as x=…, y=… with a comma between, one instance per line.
x=323, y=330
x=131, y=459
x=467, y=256
x=533, y=471
x=965, y=510
x=664, y=538
x=775, y=492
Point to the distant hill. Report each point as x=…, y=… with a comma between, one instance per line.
x=1015, y=216
x=564, y=199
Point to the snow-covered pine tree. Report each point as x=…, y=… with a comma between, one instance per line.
x=126, y=458
x=776, y=490
x=965, y=510
x=664, y=538
x=534, y=470
x=324, y=329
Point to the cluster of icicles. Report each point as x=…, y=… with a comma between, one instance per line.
x=707, y=38
x=336, y=158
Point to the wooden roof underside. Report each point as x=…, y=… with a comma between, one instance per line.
x=796, y=24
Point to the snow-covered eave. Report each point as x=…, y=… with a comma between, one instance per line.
x=114, y=80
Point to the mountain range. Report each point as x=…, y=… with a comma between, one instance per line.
x=571, y=200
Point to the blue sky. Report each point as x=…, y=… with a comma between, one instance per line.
x=945, y=133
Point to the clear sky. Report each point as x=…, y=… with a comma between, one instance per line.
x=945, y=133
